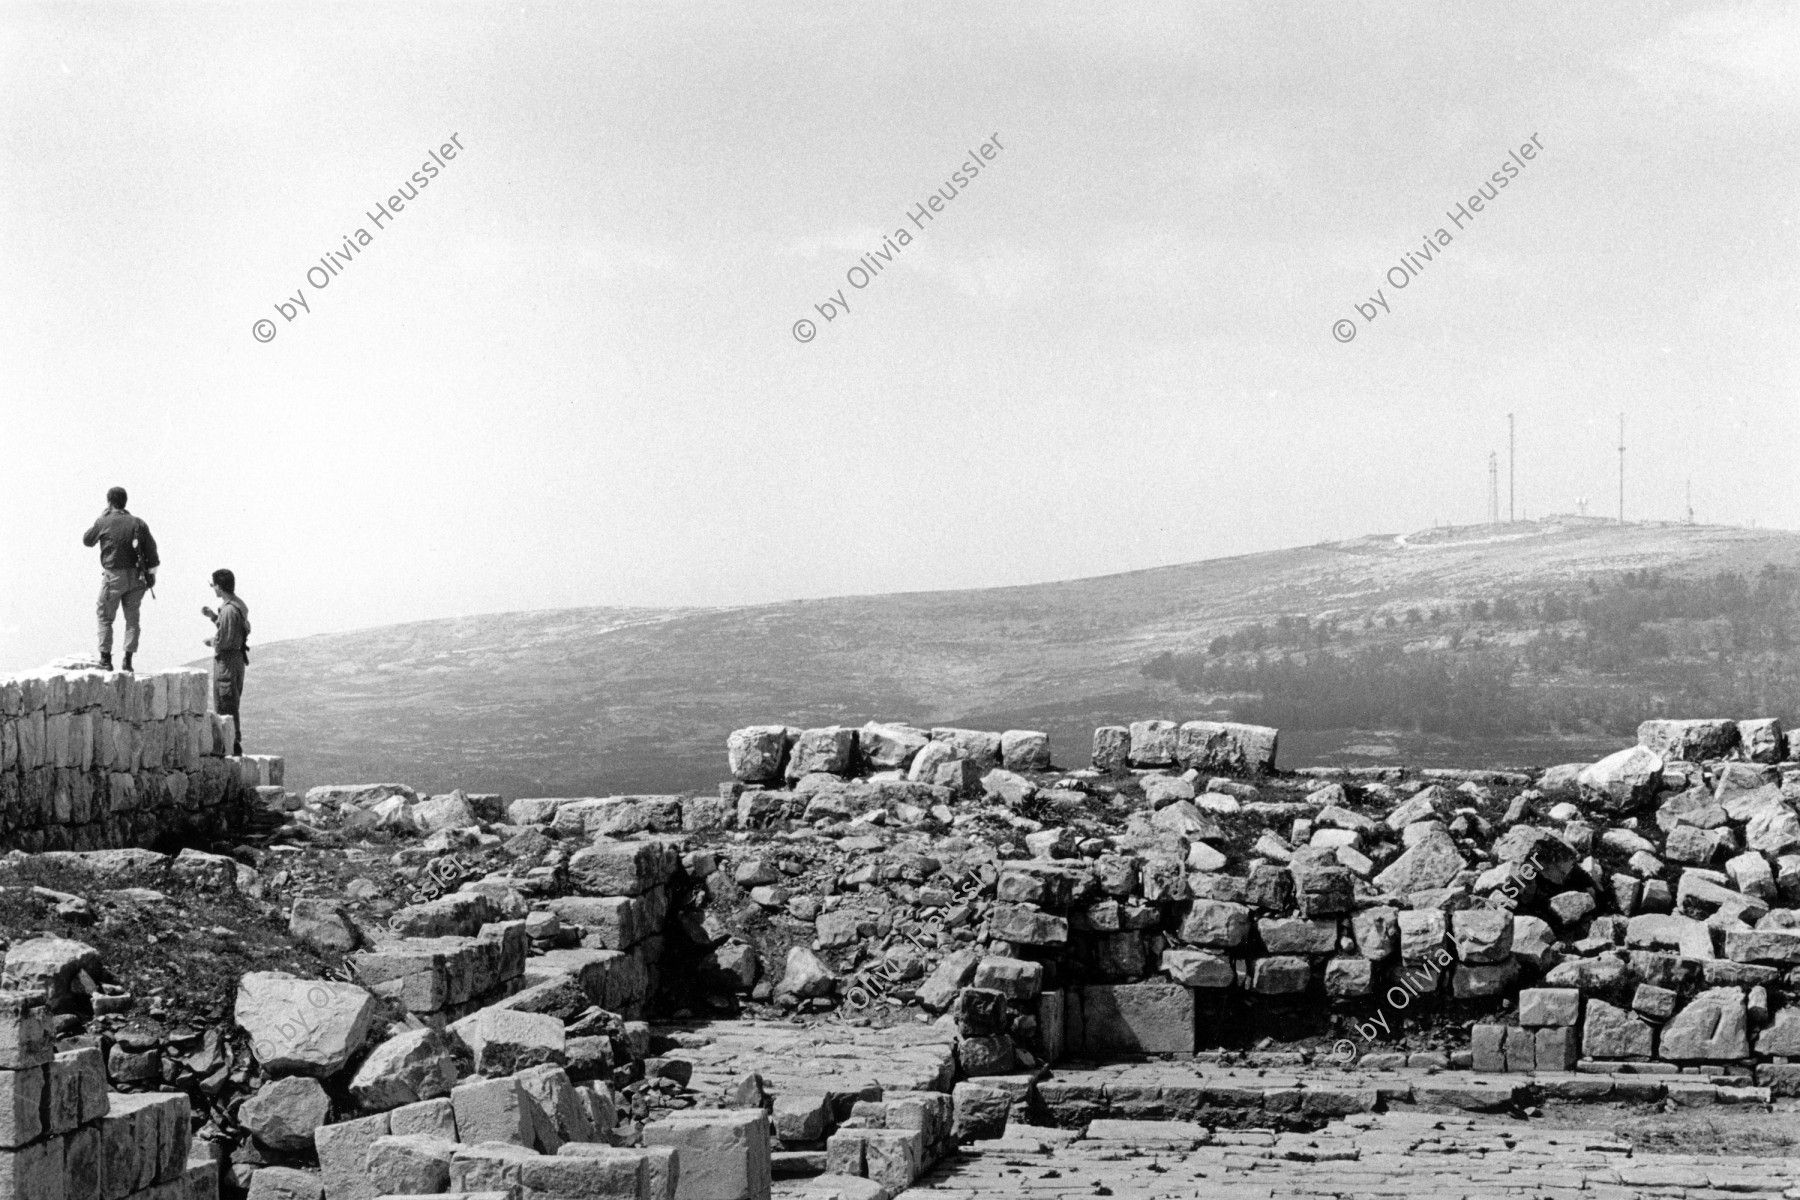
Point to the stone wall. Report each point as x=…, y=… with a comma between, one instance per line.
x=64, y=1137
x=93, y=760
x=893, y=750
x=1195, y=745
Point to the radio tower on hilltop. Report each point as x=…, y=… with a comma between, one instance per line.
x=1493, y=487
x=1621, y=468
x=1512, y=455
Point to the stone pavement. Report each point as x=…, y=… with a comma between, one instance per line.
x=1365, y=1155
x=1177, y=1090
x=824, y=1056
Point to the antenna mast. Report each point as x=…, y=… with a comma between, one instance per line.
x=1621, y=468
x=1511, y=459
x=1493, y=487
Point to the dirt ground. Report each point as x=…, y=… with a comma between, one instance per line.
x=1665, y=1129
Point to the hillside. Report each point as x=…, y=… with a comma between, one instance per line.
x=590, y=701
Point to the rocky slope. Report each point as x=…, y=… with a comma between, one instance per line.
x=589, y=701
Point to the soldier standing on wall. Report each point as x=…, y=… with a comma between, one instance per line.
x=231, y=652
x=128, y=563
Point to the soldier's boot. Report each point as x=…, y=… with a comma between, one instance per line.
x=106, y=661
x=127, y=666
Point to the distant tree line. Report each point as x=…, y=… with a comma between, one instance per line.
x=1599, y=659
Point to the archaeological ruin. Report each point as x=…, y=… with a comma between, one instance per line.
x=884, y=960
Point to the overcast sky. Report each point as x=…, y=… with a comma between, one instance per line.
x=567, y=373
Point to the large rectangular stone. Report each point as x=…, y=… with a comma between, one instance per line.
x=1027, y=926
x=724, y=1153
x=1520, y=1049
x=37, y=1172
x=661, y=1165
x=492, y=1110
x=133, y=1141
x=618, y=1175
x=621, y=868
x=81, y=1162
x=614, y=922
x=21, y=1107
x=1556, y=1048
x=1781, y=946
x=343, y=1151
x=1137, y=1018
x=25, y=1039
x=1542, y=1007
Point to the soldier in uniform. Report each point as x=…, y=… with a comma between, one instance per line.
x=231, y=651
x=128, y=562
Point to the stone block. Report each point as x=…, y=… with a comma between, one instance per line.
x=1712, y=1028
x=801, y=1116
x=1431, y=862
x=757, y=753
x=1025, y=750
x=1227, y=746
x=1296, y=935
x=1027, y=926
x=993, y=1054
x=981, y=1112
x=38, y=1172
x=1482, y=935
x=1549, y=1007
x=284, y=1112
x=660, y=1165
x=830, y=750
x=1483, y=981
x=1137, y=1018
x=595, y=1173
x=489, y=1167
x=1610, y=1032
x=1377, y=932
x=81, y=1166
x=1215, y=924
x=501, y=1041
x=411, y=1066
x=1421, y=934
x=976, y=745
x=1623, y=782
x=1349, y=976
x=25, y=1039
x=1015, y=978
x=433, y=1118
x=623, y=868
x=343, y=1151
x=1779, y=947
x=303, y=1026
x=1657, y=1003
x=1152, y=743
x=1280, y=975
x=565, y=1118
x=1689, y=740
x=1112, y=748
x=1520, y=1049
x=1487, y=1046
x=21, y=1107
x=492, y=1110
x=1322, y=886
x=411, y=1165
x=75, y=1089
x=724, y=1153
x=1556, y=1048
x=1198, y=968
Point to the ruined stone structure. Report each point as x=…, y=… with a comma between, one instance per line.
x=94, y=760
